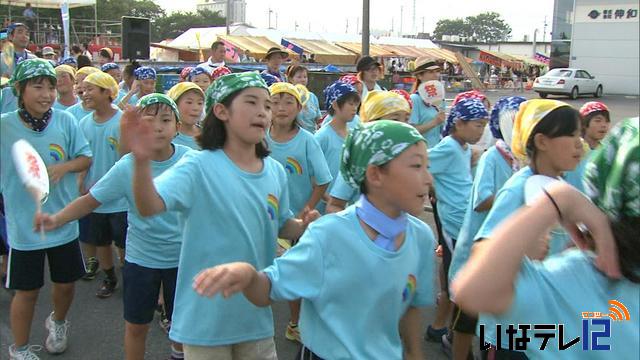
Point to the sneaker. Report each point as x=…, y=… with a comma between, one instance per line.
x=28, y=354
x=447, y=340
x=293, y=332
x=165, y=323
x=57, y=340
x=93, y=266
x=107, y=288
x=434, y=335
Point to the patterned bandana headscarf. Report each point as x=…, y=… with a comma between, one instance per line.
x=220, y=71
x=156, y=98
x=145, y=73
x=87, y=70
x=335, y=91
x=66, y=69
x=405, y=95
x=197, y=71
x=592, y=106
x=105, y=81
x=30, y=69
x=473, y=94
x=504, y=104
x=612, y=176
x=229, y=84
x=285, y=88
x=466, y=110
x=350, y=79
x=531, y=112
x=182, y=87
x=269, y=79
x=69, y=61
x=109, y=66
x=304, y=93
x=185, y=73
x=379, y=103
x=374, y=143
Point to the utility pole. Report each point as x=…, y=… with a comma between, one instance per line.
x=365, y=27
x=270, y=11
x=414, y=29
x=276, y=20
x=346, y=30
x=535, y=34
x=228, y=15
x=401, y=16
x=423, y=24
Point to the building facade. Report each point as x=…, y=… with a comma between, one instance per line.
x=602, y=37
x=237, y=9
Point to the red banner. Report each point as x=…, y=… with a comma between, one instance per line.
x=490, y=59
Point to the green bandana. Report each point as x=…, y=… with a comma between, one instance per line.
x=156, y=98
x=612, y=176
x=29, y=69
x=229, y=84
x=374, y=143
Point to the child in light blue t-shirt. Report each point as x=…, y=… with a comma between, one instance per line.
x=310, y=114
x=65, y=87
x=570, y=289
x=342, y=101
x=298, y=152
x=546, y=134
x=384, y=259
x=190, y=101
x=153, y=243
x=55, y=136
x=225, y=220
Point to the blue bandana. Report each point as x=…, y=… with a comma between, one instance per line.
x=197, y=71
x=335, y=91
x=269, y=79
x=465, y=110
x=69, y=61
x=145, y=73
x=109, y=66
x=504, y=104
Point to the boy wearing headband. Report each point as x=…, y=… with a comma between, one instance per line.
x=379, y=235
x=80, y=109
x=58, y=140
x=144, y=84
x=66, y=96
x=108, y=223
x=153, y=244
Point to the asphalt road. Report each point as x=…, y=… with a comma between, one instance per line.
x=97, y=327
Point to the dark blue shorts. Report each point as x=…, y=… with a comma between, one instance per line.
x=141, y=291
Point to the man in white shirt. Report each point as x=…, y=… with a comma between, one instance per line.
x=217, y=57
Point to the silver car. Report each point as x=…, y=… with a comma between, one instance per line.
x=565, y=81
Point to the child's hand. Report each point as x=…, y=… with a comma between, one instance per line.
x=44, y=221
x=135, y=133
x=308, y=216
x=439, y=251
x=228, y=279
x=57, y=172
x=135, y=87
x=440, y=117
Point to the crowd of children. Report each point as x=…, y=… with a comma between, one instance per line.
x=197, y=189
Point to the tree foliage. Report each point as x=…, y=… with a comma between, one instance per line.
x=485, y=27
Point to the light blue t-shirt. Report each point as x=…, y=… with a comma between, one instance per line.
x=508, y=200
x=133, y=100
x=557, y=291
x=343, y=191
x=186, y=140
x=450, y=166
x=8, y=100
x=366, y=90
x=104, y=139
x=422, y=114
x=230, y=215
x=493, y=171
x=305, y=165
x=331, y=144
x=61, y=141
x=59, y=106
x=353, y=123
x=355, y=293
x=78, y=111
x=153, y=242
x=575, y=177
x=309, y=113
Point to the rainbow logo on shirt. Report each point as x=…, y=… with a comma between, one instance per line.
x=293, y=166
x=272, y=206
x=57, y=152
x=113, y=143
x=410, y=289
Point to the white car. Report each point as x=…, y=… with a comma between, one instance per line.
x=565, y=81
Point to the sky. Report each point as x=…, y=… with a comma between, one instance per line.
x=333, y=15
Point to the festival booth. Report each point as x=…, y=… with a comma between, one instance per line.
x=324, y=52
x=374, y=50
x=257, y=46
